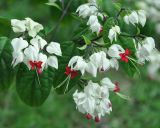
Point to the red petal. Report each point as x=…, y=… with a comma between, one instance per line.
x=97, y=119
x=88, y=116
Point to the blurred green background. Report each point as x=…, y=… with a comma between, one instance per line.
x=59, y=111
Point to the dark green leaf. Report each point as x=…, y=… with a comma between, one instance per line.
x=33, y=89
x=7, y=74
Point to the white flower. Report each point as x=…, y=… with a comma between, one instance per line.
x=132, y=18
x=53, y=62
x=18, y=45
x=92, y=69
x=144, y=50
x=78, y=63
x=38, y=42
x=18, y=25
x=17, y=58
x=83, y=10
x=107, y=82
x=54, y=48
x=31, y=53
x=84, y=104
x=113, y=32
x=115, y=50
x=142, y=17
x=95, y=26
x=136, y=17
x=94, y=100
x=100, y=60
x=33, y=27
x=114, y=63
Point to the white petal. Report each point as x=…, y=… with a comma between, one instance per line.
x=73, y=61
x=126, y=19
x=54, y=48
x=17, y=58
x=53, y=62
x=38, y=42
x=33, y=27
x=142, y=17
x=18, y=25
x=133, y=18
x=107, y=82
x=19, y=44
x=115, y=50
x=114, y=63
x=42, y=58
x=31, y=53
x=90, y=68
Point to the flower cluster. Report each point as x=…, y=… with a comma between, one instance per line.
x=33, y=53
x=96, y=62
x=91, y=10
x=94, y=101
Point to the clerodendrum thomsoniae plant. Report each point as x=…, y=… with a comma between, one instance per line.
x=108, y=38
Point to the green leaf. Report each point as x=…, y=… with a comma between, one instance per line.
x=32, y=88
x=69, y=50
x=54, y=5
x=118, y=6
x=5, y=26
x=87, y=41
x=108, y=6
x=7, y=74
x=83, y=47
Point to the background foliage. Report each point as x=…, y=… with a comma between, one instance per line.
x=59, y=111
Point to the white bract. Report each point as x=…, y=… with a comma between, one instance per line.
x=113, y=32
x=18, y=45
x=114, y=51
x=94, y=24
x=33, y=27
x=38, y=42
x=54, y=48
x=18, y=25
x=142, y=17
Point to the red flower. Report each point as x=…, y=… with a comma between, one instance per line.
x=88, y=116
x=71, y=72
x=35, y=64
x=117, y=88
x=124, y=56
x=97, y=119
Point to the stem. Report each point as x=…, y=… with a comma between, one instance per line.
x=119, y=13
x=38, y=78
x=134, y=36
x=55, y=29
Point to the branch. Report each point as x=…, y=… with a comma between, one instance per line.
x=55, y=29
